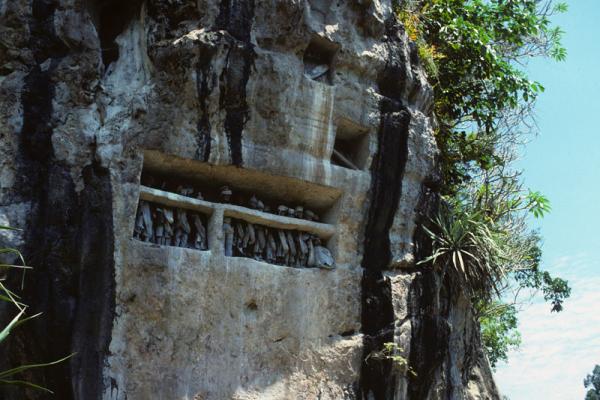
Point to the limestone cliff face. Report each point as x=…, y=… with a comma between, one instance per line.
x=316, y=103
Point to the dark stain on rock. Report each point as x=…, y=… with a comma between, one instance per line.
x=392, y=80
x=236, y=17
x=173, y=18
x=376, y=380
x=43, y=40
x=430, y=332
x=111, y=17
x=95, y=294
x=38, y=93
x=71, y=247
x=204, y=86
x=433, y=294
x=69, y=242
x=37, y=110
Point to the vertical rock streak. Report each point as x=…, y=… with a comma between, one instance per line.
x=69, y=242
x=236, y=17
x=377, y=312
x=96, y=283
x=47, y=287
x=427, y=308
x=387, y=170
x=204, y=81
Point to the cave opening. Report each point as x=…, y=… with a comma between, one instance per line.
x=111, y=17
x=351, y=146
x=318, y=60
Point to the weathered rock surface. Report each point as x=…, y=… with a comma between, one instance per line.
x=93, y=93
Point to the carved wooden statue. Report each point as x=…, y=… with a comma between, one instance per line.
x=185, y=190
x=143, y=222
x=302, y=240
x=261, y=240
x=159, y=225
x=228, y=236
x=226, y=194
x=182, y=228
x=291, y=242
x=168, y=226
x=309, y=215
x=253, y=203
x=249, y=236
x=200, y=242
x=238, y=239
x=310, y=262
x=271, y=248
x=283, y=248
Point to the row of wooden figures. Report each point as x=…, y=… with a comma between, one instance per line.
x=275, y=246
x=159, y=224
x=254, y=203
x=183, y=228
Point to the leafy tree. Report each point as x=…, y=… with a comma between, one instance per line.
x=592, y=381
x=474, y=52
x=499, y=330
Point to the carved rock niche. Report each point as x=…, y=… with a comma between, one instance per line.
x=351, y=147
x=236, y=212
x=318, y=60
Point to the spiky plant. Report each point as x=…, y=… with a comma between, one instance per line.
x=470, y=245
x=8, y=377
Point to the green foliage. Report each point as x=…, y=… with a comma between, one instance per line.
x=487, y=243
x=475, y=53
x=391, y=351
x=499, y=332
x=6, y=295
x=554, y=290
x=592, y=381
x=538, y=205
x=465, y=240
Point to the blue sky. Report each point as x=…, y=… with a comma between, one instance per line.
x=558, y=350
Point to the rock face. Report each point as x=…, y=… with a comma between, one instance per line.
x=315, y=103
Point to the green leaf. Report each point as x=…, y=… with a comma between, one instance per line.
x=6, y=331
x=15, y=266
x=26, y=384
x=22, y=321
x=13, y=371
x=10, y=228
x=561, y=7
